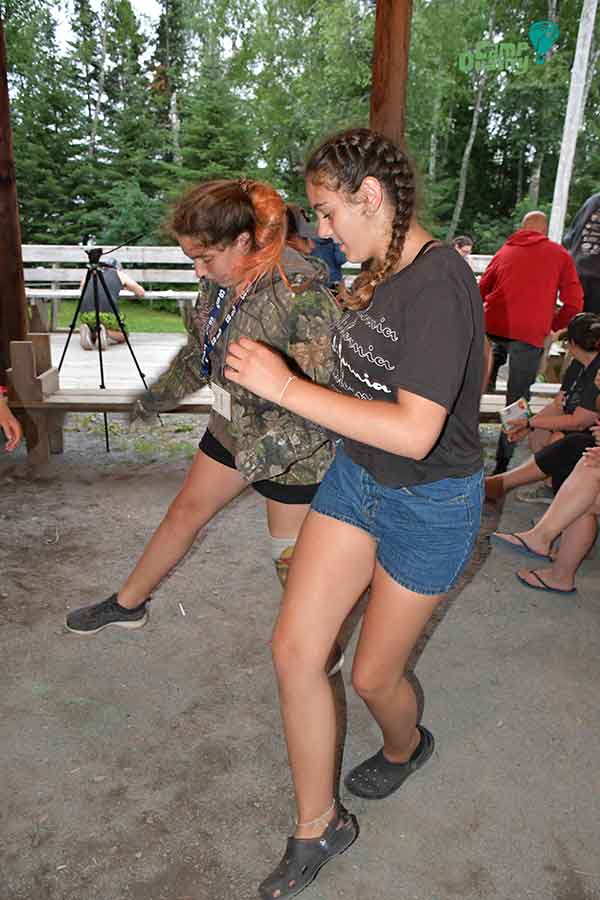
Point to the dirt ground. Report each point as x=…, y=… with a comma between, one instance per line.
x=149, y=765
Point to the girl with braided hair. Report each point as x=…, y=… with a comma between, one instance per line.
x=251, y=282
x=399, y=509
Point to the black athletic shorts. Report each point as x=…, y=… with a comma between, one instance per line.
x=272, y=490
x=560, y=458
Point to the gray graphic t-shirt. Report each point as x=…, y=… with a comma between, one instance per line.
x=422, y=333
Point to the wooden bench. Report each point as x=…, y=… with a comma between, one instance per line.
x=54, y=272
x=34, y=391
x=479, y=263
x=35, y=394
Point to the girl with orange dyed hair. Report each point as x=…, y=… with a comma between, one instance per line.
x=251, y=282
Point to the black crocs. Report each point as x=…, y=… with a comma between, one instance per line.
x=377, y=777
x=303, y=858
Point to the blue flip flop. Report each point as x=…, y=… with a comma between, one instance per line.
x=542, y=586
x=522, y=547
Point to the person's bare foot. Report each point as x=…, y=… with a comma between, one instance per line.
x=529, y=539
x=546, y=579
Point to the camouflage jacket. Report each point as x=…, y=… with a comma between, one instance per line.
x=267, y=441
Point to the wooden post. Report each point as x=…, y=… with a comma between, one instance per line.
x=390, y=68
x=13, y=305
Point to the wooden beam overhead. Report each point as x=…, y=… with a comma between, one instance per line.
x=13, y=310
x=390, y=67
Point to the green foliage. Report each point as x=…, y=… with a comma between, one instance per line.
x=140, y=316
x=109, y=128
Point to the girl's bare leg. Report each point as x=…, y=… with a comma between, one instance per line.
x=394, y=619
x=321, y=590
x=285, y=519
x=208, y=487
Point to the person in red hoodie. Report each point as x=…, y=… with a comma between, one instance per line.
x=519, y=289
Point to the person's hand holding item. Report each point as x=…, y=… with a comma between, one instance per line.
x=258, y=369
x=10, y=426
x=516, y=433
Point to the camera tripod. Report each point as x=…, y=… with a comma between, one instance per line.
x=95, y=276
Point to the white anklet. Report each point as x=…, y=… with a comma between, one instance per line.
x=319, y=818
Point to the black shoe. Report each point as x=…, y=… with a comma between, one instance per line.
x=377, y=777
x=91, y=619
x=305, y=857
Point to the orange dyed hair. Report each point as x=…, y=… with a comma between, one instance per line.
x=216, y=213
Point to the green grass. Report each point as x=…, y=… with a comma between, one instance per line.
x=139, y=317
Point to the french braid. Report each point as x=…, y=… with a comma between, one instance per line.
x=340, y=164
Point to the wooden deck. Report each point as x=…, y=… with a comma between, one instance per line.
x=81, y=369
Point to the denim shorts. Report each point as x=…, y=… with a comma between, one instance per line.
x=425, y=533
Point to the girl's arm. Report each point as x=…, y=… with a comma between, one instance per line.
x=409, y=427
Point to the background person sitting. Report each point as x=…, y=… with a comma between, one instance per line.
x=568, y=418
x=574, y=407
x=115, y=279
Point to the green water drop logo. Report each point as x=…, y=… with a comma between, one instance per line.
x=543, y=35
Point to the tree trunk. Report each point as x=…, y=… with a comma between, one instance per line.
x=101, y=76
x=589, y=77
x=433, y=140
x=175, y=128
x=464, y=168
x=536, y=174
x=572, y=119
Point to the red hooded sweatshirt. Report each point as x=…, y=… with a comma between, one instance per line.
x=520, y=286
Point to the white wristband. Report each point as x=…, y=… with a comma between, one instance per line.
x=285, y=387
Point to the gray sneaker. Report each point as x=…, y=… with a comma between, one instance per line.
x=92, y=619
x=85, y=337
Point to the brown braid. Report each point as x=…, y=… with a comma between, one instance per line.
x=340, y=164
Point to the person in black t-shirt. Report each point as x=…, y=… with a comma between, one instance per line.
x=583, y=243
x=399, y=509
x=565, y=422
